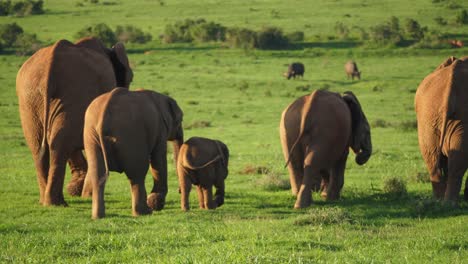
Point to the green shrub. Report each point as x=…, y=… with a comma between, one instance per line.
x=241, y=38
x=440, y=21
x=394, y=186
x=433, y=40
x=273, y=182
x=9, y=33
x=413, y=30
x=462, y=17
x=180, y=31
x=387, y=33
x=100, y=31
x=208, y=31
x=27, y=44
x=271, y=38
x=21, y=8
x=129, y=33
x=296, y=36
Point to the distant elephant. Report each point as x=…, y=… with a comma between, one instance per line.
x=295, y=69
x=441, y=105
x=352, y=70
x=127, y=131
x=316, y=131
x=202, y=162
x=54, y=88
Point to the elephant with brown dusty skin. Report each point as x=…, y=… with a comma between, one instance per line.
x=316, y=132
x=204, y=163
x=441, y=105
x=127, y=132
x=54, y=88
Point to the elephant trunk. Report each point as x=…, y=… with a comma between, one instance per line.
x=365, y=152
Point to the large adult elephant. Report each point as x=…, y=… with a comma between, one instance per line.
x=54, y=88
x=316, y=132
x=441, y=105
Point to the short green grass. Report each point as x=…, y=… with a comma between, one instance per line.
x=237, y=96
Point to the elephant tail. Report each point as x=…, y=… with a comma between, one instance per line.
x=304, y=114
x=190, y=166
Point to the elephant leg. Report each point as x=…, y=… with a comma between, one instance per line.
x=337, y=179
x=96, y=180
x=59, y=153
x=296, y=170
x=139, y=206
x=185, y=185
x=201, y=199
x=304, y=197
x=156, y=200
x=219, y=194
x=324, y=184
x=208, y=196
x=465, y=195
x=42, y=167
x=78, y=166
x=457, y=166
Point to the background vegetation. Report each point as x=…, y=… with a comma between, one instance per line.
x=237, y=95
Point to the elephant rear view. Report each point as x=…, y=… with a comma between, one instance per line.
x=127, y=132
x=204, y=163
x=54, y=88
x=316, y=132
x=441, y=105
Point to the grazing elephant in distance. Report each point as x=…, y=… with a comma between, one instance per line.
x=54, y=88
x=352, y=70
x=316, y=132
x=295, y=69
x=127, y=131
x=441, y=105
x=202, y=162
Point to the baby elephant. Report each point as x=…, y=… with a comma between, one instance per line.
x=202, y=162
x=127, y=131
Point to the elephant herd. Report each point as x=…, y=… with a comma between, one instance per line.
x=68, y=101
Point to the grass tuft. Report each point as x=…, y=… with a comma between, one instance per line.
x=198, y=124
x=273, y=182
x=252, y=169
x=324, y=216
x=395, y=186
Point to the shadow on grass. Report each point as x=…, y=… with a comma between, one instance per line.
x=325, y=44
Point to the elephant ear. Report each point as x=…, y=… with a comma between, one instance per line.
x=170, y=112
x=357, y=119
x=123, y=72
x=223, y=152
x=446, y=63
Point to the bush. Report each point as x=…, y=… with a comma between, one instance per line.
x=129, y=33
x=241, y=38
x=433, y=40
x=273, y=182
x=27, y=44
x=296, y=36
x=9, y=33
x=100, y=31
x=440, y=21
x=394, y=186
x=413, y=30
x=208, y=31
x=271, y=38
x=21, y=8
x=386, y=33
x=181, y=31
x=462, y=18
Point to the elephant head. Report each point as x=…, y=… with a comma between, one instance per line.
x=360, y=138
x=117, y=56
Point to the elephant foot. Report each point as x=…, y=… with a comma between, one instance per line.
x=75, y=187
x=54, y=202
x=156, y=201
x=465, y=195
x=142, y=210
x=219, y=201
x=301, y=204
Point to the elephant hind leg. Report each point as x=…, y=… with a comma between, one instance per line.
x=201, y=198
x=78, y=166
x=457, y=166
x=466, y=190
x=296, y=170
x=139, y=205
x=42, y=167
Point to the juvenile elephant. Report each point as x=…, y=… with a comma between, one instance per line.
x=125, y=132
x=295, y=69
x=352, y=70
x=316, y=131
x=203, y=162
x=441, y=105
x=54, y=88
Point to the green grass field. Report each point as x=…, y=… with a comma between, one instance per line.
x=241, y=95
